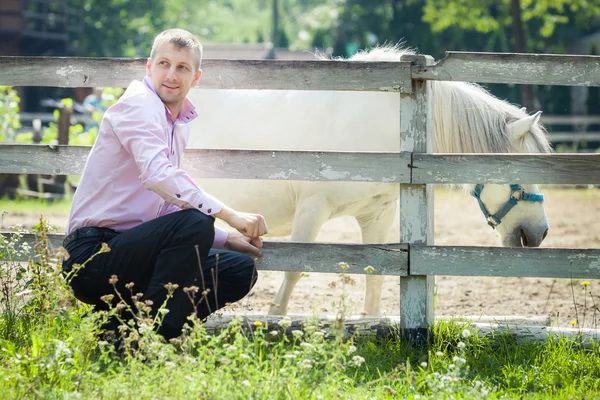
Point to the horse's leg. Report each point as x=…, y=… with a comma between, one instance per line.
x=375, y=228
x=310, y=215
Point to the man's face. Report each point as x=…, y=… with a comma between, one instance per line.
x=172, y=74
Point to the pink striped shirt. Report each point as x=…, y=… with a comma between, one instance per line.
x=132, y=174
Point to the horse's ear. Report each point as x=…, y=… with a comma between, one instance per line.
x=520, y=127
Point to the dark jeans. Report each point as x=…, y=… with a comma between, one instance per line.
x=158, y=252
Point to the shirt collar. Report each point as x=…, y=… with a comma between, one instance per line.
x=188, y=110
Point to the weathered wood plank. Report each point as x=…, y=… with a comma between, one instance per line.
x=290, y=165
x=495, y=320
x=379, y=328
x=230, y=164
x=386, y=259
x=570, y=119
x=54, y=243
x=217, y=74
x=586, y=337
x=559, y=136
x=42, y=159
x=416, y=208
x=534, y=69
x=555, y=168
x=577, y=168
x=505, y=261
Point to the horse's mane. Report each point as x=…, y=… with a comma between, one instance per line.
x=468, y=119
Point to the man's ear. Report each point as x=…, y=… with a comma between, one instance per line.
x=148, y=66
x=197, y=77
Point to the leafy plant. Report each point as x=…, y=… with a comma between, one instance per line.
x=9, y=113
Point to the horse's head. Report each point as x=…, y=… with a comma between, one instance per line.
x=517, y=211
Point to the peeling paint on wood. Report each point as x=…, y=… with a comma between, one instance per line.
x=416, y=207
x=228, y=164
x=505, y=261
x=217, y=74
x=506, y=168
x=386, y=259
x=533, y=69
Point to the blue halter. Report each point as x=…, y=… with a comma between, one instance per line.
x=517, y=194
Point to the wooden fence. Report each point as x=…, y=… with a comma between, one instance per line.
x=415, y=258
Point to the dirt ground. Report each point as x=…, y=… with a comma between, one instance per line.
x=573, y=216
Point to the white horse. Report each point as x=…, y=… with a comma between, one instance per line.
x=467, y=119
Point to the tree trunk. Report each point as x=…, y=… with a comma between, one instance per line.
x=275, y=31
x=520, y=47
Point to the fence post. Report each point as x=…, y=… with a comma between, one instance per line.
x=64, y=124
x=416, y=207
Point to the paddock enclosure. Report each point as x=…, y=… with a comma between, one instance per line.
x=414, y=258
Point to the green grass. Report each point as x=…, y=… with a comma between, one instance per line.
x=37, y=206
x=48, y=350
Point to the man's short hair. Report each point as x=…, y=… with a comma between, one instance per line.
x=181, y=39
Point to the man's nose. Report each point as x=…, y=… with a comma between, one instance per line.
x=172, y=73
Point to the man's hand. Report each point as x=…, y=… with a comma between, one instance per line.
x=238, y=242
x=251, y=225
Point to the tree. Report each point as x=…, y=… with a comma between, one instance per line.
x=527, y=19
x=119, y=28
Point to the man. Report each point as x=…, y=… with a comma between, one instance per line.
x=93, y=104
x=158, y=224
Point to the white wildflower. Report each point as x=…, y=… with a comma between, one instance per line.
x=424, y=364
x=61, y=347
x=245, y=356
x=459, y=360
x=306, y=363
x=163, y=311
x=358, y=360
x=289, y=356
x=144, y=328
x=307, y=346
x=246, y=382
x=297, y=334
x=170, y=364
x=369, y=269
x=351, y=349
x=461, y=345
x=466, y=333
x=285, y=322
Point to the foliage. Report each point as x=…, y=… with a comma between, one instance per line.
x=49, y=349
x=490, y=15
x=542, y=19
x=9, y=113
x=119, y=28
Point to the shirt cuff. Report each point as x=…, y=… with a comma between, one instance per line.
x=209, y=205
x=220, y=238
